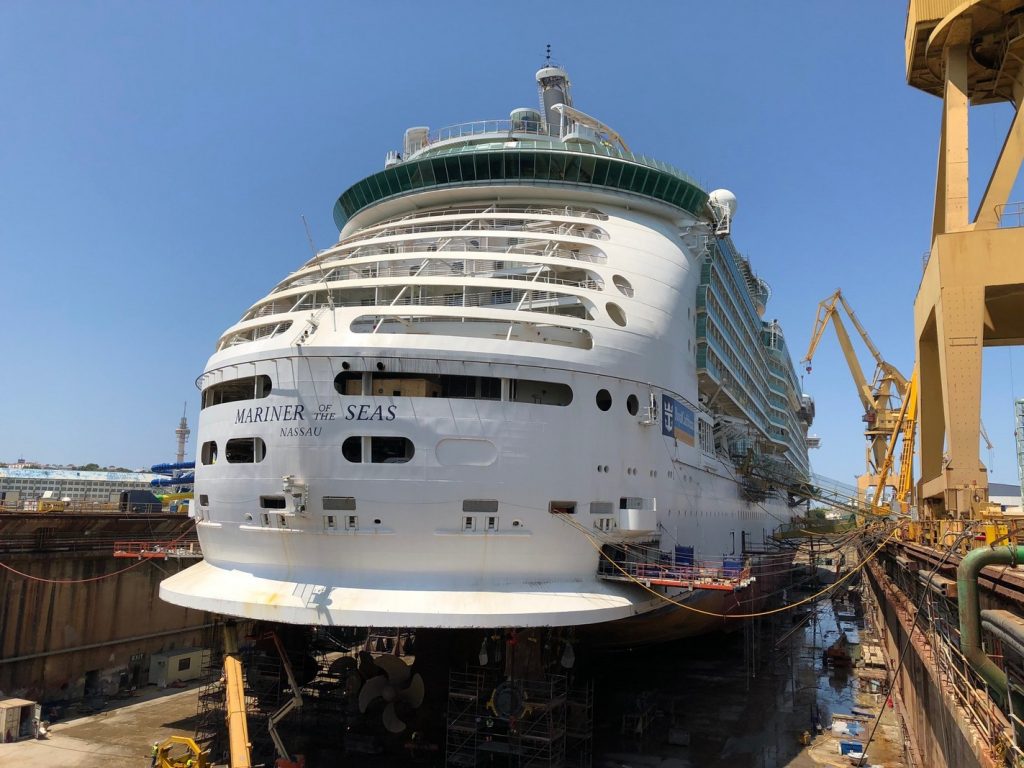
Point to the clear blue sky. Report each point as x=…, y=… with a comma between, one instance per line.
x=155, y=159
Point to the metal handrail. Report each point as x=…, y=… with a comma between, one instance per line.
x=596, y=233
x=568, y=211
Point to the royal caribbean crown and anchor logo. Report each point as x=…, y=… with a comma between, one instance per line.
x=676, y=420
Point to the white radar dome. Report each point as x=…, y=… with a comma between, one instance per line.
x=723, y=198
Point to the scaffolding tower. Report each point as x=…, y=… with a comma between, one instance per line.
x=1018, y=432
x=517, y=723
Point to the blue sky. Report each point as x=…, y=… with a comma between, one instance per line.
x=155, y=159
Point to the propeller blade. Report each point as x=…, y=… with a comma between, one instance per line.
x=391, y=720
x=373, y=689
x=341, y=665
x=366, y=666
x=398, y=671
x=412, y=694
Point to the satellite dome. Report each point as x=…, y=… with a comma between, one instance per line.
x=723, y=198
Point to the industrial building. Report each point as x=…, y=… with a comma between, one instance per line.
x=18, y=486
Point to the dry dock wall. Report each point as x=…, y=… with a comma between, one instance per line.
x=94, y=636
x=938, y=726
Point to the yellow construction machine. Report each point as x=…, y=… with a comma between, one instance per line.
x=171, y=755
x=883, y=398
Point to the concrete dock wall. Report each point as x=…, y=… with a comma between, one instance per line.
x=64, y=642
x=940, y=727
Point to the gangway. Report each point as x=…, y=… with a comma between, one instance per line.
x=691, y=577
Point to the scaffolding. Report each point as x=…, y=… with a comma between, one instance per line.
x=210, y=709
x=1018, y=412
x=517, y=723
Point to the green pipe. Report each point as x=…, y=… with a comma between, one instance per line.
x=970, y=616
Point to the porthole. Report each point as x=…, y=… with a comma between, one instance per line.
x=624, y=286
x=604, y=399
x=345, y=366
x=208, y=454
x=616, y=314
x=632, y=405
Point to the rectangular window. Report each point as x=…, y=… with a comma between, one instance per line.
x=282, y=521
x=339, y=503
x=562, y=508
x=492, y=523
x=204, y=500
x=469, y=523
x=602, y=508
x=185, y=663
x=352, y=523
x=272, y=502
x=480, y=505
x=330, y=523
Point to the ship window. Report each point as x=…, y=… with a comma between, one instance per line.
x=616, y=314
x=626, y=288
x=248, y=388
x=349, y=383
x=632, y=405
x=480, y=505
x=245, y=450
x=266, y=519
x=352, y=523
x=539, y=392
x=330, y=522
x=339, y=503
x=208, y=455
x=431, y=385
x=272, y=502
x=352, y=449
x=204, y=500
x=383, y=450
x=562, y=508
x=492, y=523
x=604, y=399
x=391, y=450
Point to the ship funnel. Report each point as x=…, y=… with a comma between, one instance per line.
x=553, y=87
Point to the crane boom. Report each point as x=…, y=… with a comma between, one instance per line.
x=827, y=311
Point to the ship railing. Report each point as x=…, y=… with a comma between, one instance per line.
x=482, y=127
x=567, y=211
x=602, y=149
x=463, y=267
x=698, y=576
x=157, y=550
x=495, y=225
x=328, y=259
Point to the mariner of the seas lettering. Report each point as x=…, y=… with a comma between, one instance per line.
x=264, y=414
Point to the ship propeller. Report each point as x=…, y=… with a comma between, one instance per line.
x=395, y=684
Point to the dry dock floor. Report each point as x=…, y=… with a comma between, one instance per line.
x=115, y=737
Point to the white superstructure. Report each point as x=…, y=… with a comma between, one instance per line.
x=528, y=343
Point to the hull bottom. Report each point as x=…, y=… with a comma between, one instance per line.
x=232, y=592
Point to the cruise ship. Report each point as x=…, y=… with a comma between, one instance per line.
x=525, y=388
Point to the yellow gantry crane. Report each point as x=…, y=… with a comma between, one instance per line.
x=882, y=398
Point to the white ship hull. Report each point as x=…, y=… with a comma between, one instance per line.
x=450, y=413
